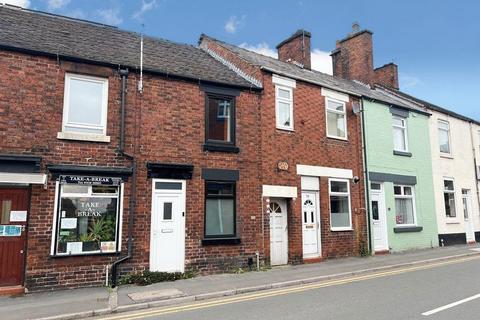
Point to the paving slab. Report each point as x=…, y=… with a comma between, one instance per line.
x=82, y=302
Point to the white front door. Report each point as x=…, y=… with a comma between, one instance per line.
x=467, y=205
x=278, y=232
x=167, y=240
x=379, y=218
x=310, y=225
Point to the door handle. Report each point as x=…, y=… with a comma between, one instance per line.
x=21, y=251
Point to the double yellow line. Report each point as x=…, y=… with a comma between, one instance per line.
x=278, y=292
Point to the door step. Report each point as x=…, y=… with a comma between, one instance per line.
x=382, y=252
x=11, y=290
x=312, y=260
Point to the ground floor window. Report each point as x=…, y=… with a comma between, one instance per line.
x=340, y=212
x=88, y=212
x=220, y=209
x=449, y=198
x=404, y=205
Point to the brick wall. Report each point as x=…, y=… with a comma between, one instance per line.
x=308, y=145
x=296, y=49
x=165, y=124
x=387, y=75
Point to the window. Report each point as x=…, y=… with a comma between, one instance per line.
x=87, y=217
x=449, y=198
x=336, y=119
x=400, y=142
x=284, y=107
x=220, y=119
x=444, y=136
x=466, y=203
x=340, y=217
x=220, y=209
x=404, y=205
x=85, y=105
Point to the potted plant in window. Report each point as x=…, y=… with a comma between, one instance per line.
x=88, y=242
x=64, y=239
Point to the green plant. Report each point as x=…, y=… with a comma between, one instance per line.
x=364, y=252
x=86, y=237
x=102, y=230
x=148, y=277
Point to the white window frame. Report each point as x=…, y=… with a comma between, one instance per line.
x=56, y=217
x=405, y=132
x=454, y=198
x=277, y=108
x=344, y=113
x=404, y=196
x=448, y=135
x=330, y=193
x=66, y=106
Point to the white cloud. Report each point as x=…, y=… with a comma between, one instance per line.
x=57, y=4
x=146, y=6
x=110, y=16
x=321, y=60
x=77, y=14
x=233, y=23
x=262, y=48
x=409, y=81
x=19, y=3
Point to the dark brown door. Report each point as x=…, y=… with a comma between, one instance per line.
x=13, y=220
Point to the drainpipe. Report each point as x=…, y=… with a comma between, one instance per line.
x=121, y=150
x=365, y=175
x=475, y=165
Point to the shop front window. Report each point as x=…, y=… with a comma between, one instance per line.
x=88, y=216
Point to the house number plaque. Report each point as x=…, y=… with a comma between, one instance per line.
x=282, y=165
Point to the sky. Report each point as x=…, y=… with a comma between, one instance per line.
x=436, y=44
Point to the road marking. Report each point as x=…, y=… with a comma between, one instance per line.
x=278, y=292
x=451, y=305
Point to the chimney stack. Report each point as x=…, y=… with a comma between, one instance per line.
x=353, y=60
x=296, y=49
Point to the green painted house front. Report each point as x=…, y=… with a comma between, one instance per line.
x=400, y=183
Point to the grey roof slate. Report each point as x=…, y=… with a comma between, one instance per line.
x=63, y=36
x=427, y=105
x=325, y=80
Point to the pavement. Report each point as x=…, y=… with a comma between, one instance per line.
x=439, y=291
x=86, y=302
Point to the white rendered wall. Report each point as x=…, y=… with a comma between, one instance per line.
x=459, y=166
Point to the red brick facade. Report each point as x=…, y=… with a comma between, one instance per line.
x=308, y=145
x=296, y=49
x=164, y=124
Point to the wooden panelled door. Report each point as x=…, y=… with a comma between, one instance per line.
x=14, y=205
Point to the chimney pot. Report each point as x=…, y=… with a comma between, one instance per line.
x=355, y=27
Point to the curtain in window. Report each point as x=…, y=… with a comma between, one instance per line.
x=449, y=204
x=284, y=113
x=340, y=215
x=336, y=124
x=219, y=217
x=404, y=211
x=399, y=139
x=443, y=140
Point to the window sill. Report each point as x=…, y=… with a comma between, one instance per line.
x=452, y=221
x=337, y=138
x=402, y=153
x=115, y=253
x=446, y=156
x=341, y=229
x=219, y=241
x=285, y=129
x=407, y=229
x=220, y=148
x=83, y=137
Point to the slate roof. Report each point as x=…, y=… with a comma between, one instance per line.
x=315, y=77
x=40, y=32
x=427, y=105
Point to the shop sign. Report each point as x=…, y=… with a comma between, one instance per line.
x=90, y=180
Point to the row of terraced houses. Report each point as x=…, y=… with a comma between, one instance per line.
x=209, y=158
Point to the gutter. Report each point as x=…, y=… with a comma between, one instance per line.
x=133, y=189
